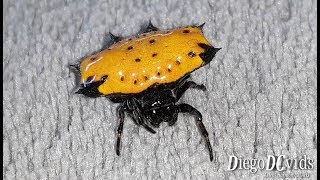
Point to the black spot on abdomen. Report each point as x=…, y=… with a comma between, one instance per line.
x=138, y=60
x=186, y=31
x=152, y=41
x=192, y=54
x=93, y=59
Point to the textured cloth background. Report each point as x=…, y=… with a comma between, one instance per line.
x=261, y=97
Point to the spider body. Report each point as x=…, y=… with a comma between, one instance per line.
x=147, y=75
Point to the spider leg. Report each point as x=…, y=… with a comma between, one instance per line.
x=132, y=112
x=174, y=119
x=120, y=111
x=148, y=128
x=186, y=108
x=138, y=114
x=185, y=86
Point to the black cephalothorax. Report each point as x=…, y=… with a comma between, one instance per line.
x=158, y=104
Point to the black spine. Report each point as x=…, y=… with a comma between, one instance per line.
x=209, y=52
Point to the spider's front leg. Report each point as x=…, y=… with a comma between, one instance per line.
x=186, y=108
x=120, y=111
x=185, y=86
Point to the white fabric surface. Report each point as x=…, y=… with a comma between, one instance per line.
x=261, y=97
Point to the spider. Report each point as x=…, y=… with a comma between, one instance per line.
x=147, y=74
